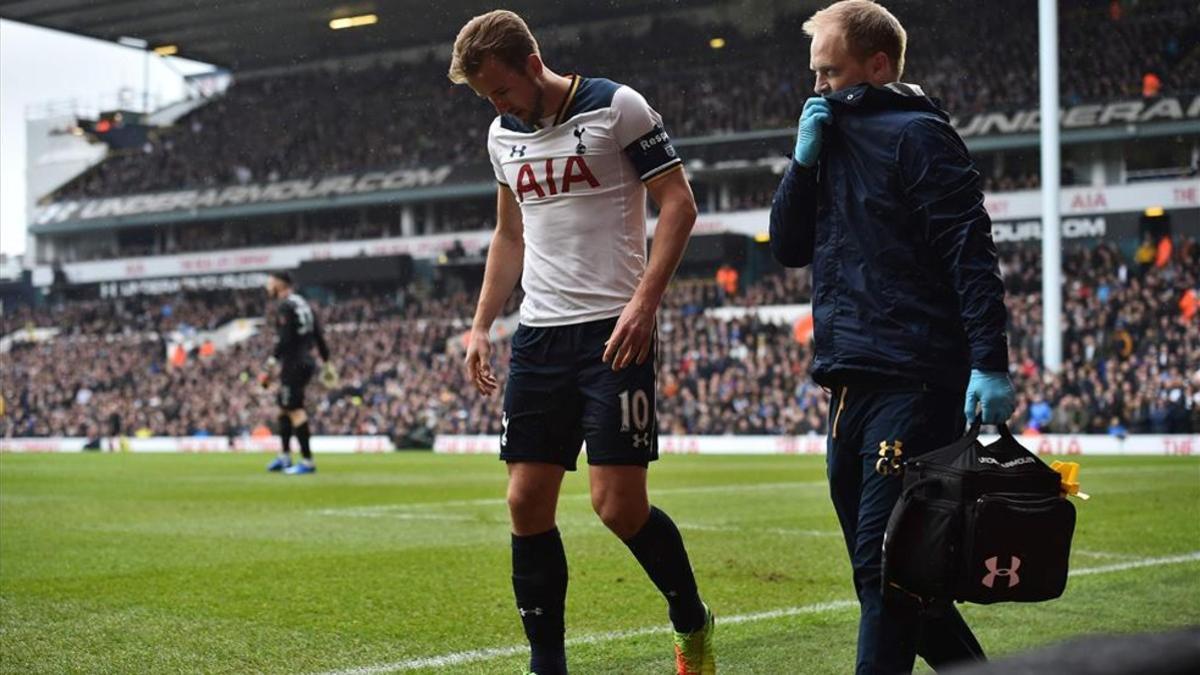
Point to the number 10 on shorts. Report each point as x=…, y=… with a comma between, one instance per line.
x=635, y=409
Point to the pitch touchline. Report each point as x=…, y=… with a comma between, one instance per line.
x=458, y=658
x=474, y=655
x=750, y=529
x=500, y=501
x=1105, y=554
x=398, y=514
x=1134, y=564
x=1131, y=469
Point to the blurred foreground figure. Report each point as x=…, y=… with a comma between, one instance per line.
x=1172, y=653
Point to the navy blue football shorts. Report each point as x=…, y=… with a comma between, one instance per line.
x=560, y=394
x=293, y=379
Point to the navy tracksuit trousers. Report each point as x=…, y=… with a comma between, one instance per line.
x=917, y=420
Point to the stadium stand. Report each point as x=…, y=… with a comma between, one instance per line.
x=1131, y=360
x=1132, y=337
x=394, y=115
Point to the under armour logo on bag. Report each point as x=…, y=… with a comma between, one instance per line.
x=536, y=611
x=1009, y=572
x=580, y=148
x=517, y=151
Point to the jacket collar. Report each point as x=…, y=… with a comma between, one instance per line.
x=894, y=96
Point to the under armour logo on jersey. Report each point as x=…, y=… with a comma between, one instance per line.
x=517, y=151
x=641, y=440
x=504, y=423
x=580, y=148
x=536, y=611
x=1009, y=572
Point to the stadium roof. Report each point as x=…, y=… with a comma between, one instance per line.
x=253, y=34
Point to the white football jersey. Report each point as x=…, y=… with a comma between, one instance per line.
x=581, y=182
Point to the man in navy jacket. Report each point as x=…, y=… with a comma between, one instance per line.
x=883, y=200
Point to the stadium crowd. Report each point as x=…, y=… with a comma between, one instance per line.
x=192, y=311
x=1131, y=343
x=1131, y=352
x=392, y=115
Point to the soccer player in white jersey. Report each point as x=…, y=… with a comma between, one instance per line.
x=574, y=158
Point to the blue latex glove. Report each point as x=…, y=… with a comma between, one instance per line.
x=994, y=392
x=808, y=139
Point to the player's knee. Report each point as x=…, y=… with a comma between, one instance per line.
x=611, y=516
x=298, y=416
x=520, y=502
x=531, y=512
x=621, y=518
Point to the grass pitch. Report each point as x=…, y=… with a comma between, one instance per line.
x=400, y=563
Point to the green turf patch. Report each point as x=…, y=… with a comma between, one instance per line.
x=167, y=563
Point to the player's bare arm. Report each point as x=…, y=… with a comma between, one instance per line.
x=633, y=336
x=501, y=273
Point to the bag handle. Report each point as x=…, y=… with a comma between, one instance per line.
x=976, y=423
x=1005, y=433
x=973, y=430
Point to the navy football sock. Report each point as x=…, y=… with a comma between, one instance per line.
x=285, y=434
x=659, y=548
x=302, y=435
x=539, y=579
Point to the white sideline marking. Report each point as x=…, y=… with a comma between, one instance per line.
x=735, y=487
x=457, y=658
x=1105, y=554
x=399, y=512
x=384, y=509
x=750, y=529
x=1120, y=470
x=372, y=512
x=1135, y=564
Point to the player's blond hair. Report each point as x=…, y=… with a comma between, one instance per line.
x=868, y=26
x=499, y=33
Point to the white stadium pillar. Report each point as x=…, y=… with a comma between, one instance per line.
x=1051, y=175
x=408, y=221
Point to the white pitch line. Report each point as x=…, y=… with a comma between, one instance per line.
x=500, y=501
x=736, y=487
x=475, y=655
x=368, y=512
x=1105, y=554
x=398, y=513
x=458, y=658
x=1122, y=470
x=750, y=529
x=1135, y=564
